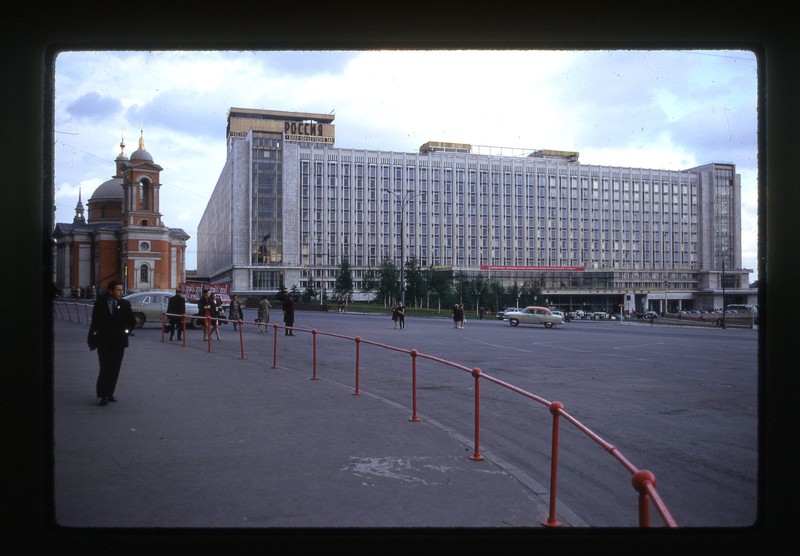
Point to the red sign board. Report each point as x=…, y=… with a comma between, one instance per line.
x=546, y=268
x=194, y=291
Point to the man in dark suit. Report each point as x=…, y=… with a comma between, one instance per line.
x=112, y=322
x=176, y=306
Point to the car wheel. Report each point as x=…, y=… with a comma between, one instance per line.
x=139, y=319
x=513, y=322
x=548, y=325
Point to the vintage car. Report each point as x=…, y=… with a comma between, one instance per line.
x=148, y=307
x=501, y=314
x=534, y=315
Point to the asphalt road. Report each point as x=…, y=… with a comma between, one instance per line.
x=680, y=402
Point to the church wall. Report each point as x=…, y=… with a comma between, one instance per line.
x=108, y=266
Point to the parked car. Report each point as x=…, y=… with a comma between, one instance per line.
x=534, y=315
x=650, y=314
x=501, y=314
x=600, y=315
x=149, y=306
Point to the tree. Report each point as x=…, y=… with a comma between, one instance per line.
x=369, y=281
x=415, y=281
x=295, y=293
x=282, y=292
x=480, y=289
x=309, y=294
x=387, y=281
x=343, y=287
x=515, y=292
x=497, y=293
x=461, y=285
x=440, y=282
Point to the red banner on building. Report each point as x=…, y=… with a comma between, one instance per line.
x=545, y=268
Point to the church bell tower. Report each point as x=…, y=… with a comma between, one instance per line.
x=141, y=184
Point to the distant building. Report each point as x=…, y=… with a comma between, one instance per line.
x=123, y=238
x=289, y=206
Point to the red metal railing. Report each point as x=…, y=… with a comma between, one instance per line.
x=642, y=480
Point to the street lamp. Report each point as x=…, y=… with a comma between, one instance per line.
x=722, y=321
x=403, y=203
x=666, y=293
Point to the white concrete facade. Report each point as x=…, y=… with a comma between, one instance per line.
x=546, y=219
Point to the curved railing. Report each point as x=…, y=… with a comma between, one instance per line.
x=642, y=480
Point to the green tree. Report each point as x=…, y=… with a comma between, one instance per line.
x=461, y=285
x=440, y=282
x=343, y=287
x=497, y=294
x=415, y=281
x=513, y=294
x=295, y=292
x=369, y=281
x=309, y=294
x=387, y=281
x=282, y=292
x=479, y=289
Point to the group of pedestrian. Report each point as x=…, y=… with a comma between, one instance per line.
x=113, y=322
x=458, y=316
x=210, y=307
x=399, y=315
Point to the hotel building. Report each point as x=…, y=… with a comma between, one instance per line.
x=289, y=206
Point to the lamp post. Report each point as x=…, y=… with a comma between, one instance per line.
x=722, y=279
x=666, y=293
x=403, y=203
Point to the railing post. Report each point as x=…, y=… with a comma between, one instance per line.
x=275, y=346
x=555, y=409
x=413, y=354
x=163, y=325
x=476, y=455
x=314, y=347
x=208, y=327
x=640, y=481
x=358, y=356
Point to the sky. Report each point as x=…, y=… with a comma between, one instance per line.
x=664, y=109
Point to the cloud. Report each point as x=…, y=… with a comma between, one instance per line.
x=94, y=107
x=181, y=112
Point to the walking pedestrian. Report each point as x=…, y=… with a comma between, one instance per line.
x=288, y=315
x=263, y=315
x=458, y=316
x=401, y=315
x=235, y=312
x=205, y=307
x=112, y=322
x=395, y=315
x=176, y=309
x=216, y=314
